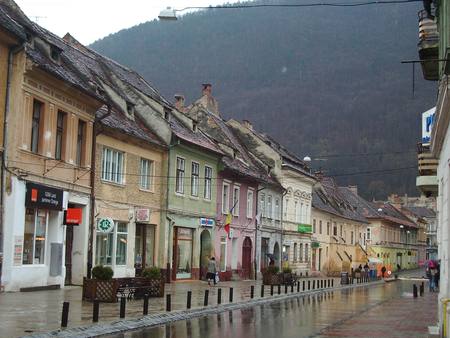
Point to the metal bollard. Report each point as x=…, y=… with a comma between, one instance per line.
x=205, y=300
x=279, y=289
x=189, y=300
x=304, y=285
x=262, y=290
x=231, y=295
x=123, y=302
x=168, y=303
x=271, y=290
x=422, y=289
x=65, y=314
x=314, y=284
x=285, y=288
x=252, y=292
x=298, y=286
x=321, y=283
x=292, y=287
x=95, y=310
x=145, y=310
x=309, y=285
x=414, y=290
x=219, y=296
x=332, y=283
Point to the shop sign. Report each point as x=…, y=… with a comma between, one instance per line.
x=105, y=225
x=73, y=216
x=315, y=245
x=304, y=228
x=427, y=124
x=43, y=197
x=18, y=248
x=142, y=215
x=206, y=222
x=230, y=235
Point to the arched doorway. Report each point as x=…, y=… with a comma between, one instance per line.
x=276, y=254
x=247, y=258
x=205, y=252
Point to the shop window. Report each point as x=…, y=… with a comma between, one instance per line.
x=184, y=253
x=104, y=248
x=60, y=134
x=223, y=253
x=225, y=198
x=208, y=180
x=249, y=203
x=179, y=184
x=35, y=235
x=81, y=142
x=122, y=241
x=195, y=172
x=112, y=166
x=38, y=110
x=236, y=200
x=146, y=173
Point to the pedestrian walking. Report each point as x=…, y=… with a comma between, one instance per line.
x=366, y=269
x=383, y=271
x=212, y=270
x=430, y=282
x=433, y=272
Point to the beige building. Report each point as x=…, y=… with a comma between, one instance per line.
x=339, y=230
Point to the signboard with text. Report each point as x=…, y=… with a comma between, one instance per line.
x=427, y=124
x=43, y=197
x=105, y=225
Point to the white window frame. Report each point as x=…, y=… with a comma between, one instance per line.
x=195, y=179
x=180, y=175
x=115, y=239
x=146, y=178
x=113, y=170
x=250, y=196
x=286, y=203
x=369, y=234
x=208, y=183
x=36, y=213
x=226, y=253
x=296, y=212
x=226, y=201
x=269, y=206
x=236, y=199
x=262, y=202
x=277, y=209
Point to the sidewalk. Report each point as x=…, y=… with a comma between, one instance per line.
x=23, y=313
x=403, y=316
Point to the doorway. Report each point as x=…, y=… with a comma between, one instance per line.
x=276, y=254
x=246, y=258
x=68, y=255
x=205, y=252
x=144, y=247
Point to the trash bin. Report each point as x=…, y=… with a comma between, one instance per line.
x=344, y=278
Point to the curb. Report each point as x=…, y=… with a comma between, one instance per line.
x=126, y=325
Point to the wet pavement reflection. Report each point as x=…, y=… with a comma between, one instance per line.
x=298, y=317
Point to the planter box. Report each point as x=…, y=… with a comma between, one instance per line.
x=142, y=286
x=272, y=279
x=102, y=290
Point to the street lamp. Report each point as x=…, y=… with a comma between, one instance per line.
x=401, y=226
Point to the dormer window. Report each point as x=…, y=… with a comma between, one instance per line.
x=194, y=127
x=55, y=54
x=167, y=115
x=130, y=109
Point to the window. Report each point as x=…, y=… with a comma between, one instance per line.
x=286, y=249
x=105, y=244
x=249, y=203
x=60, y=125
x=263, y=204
x=269, y=206
x=301, y=252
x=277, y=209
x=326, y=251
x=334, y=229
x=121, y=246
x=35, y=235
x=306, y=253
x=314, y=226
x=351, y=237
x=368, y=234
x=301, y=217
x=208, y=179
x=81, y=141
x=36, y=125
x=320, y=227
x=328, y=228
x=340, y=230
x=146, y=174
x=179, y=184
x=236, y=193
x=295, y=252
x=223, y=253
x=112, y=166
x=297, y=213
x=286, y=207
x=195, y=172
x=226, y=198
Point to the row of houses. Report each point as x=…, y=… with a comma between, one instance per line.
x=98, y=168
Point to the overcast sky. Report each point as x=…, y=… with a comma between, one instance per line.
x=89, y=20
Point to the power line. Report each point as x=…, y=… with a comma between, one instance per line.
x=373, y=171
x=318, y=4
x=368, y=154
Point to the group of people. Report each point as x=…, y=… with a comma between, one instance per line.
x=433, y=275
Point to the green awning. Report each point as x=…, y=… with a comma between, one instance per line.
x=304, y=228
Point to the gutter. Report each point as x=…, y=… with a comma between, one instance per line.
x=12, y=51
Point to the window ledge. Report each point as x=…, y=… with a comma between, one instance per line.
x=147, y=190
x=179, y=194
x=118, y=185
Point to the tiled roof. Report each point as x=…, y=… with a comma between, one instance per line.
x=421, y=211
x=8, y=23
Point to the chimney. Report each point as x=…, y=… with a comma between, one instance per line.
x=319, y=175
x=207, y=89
x=247, y=124
x=353, y=189
x=179, y=102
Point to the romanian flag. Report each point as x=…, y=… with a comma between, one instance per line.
x=228, y=223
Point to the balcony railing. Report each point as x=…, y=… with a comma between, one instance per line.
x=427, y=164
x=428, y=45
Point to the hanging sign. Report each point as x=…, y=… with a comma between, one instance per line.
x=43, y=197
x=73, y=216
x=142, y=215
x=105, y=225
x=206, y=222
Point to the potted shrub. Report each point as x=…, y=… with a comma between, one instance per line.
x=153, y=281
x=101, y=286
x=287, y=275
x=271, y=275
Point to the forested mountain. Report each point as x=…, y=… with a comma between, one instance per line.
x=323, y=81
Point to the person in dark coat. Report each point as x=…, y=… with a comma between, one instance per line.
x=383, y=271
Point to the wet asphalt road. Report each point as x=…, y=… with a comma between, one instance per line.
x=305, y=316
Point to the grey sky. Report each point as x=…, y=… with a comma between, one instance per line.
x=89, y=20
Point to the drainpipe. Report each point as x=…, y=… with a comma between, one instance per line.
x=444, y=301
x=256, y=234
x=12, y=51
x=95, y=132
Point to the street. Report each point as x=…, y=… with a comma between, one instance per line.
x=384, y=310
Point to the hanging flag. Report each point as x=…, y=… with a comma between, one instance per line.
x=227, y=223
